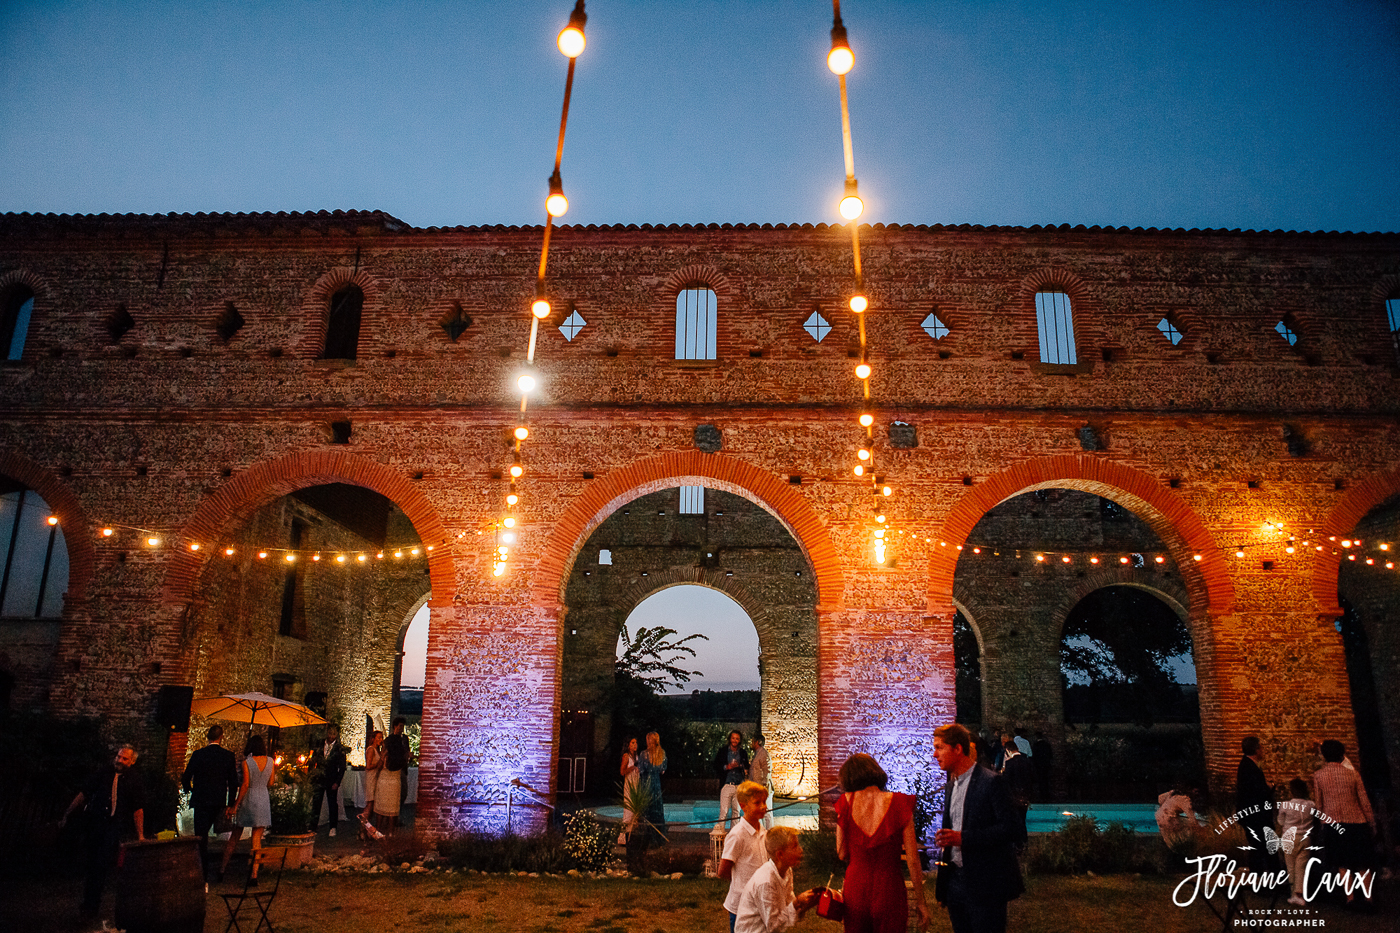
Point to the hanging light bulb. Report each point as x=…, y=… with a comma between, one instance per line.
x=526, y=382
x=512, y=499
x=540, y=308
x=556, y=204
x=851, y=205
x=859, y=304
x=521, y=433
x=863, y=453
x=867, y=420
x=858, y=470
x=509, y=521
x=571, y=38
x=863, y=371
x=107, y=532
x=840, y=59
x=886, y=491
x=516, y=470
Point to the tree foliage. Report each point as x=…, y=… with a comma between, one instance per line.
x=652, y=658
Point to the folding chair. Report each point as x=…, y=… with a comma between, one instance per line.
x=264, y=859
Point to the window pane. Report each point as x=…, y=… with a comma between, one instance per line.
x=817, y=326
x=692, y=500
x=695, y=324
x=22, y=315
x=1056, y=324
x=30, y=557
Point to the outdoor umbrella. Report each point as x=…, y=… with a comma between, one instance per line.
x=256, y=708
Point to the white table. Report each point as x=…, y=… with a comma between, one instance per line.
x=352, y=792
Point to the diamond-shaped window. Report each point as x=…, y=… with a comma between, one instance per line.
x=1170, y=331
x=817, y=326
x=934, y=327
x=572, y=325
x=1286, y=333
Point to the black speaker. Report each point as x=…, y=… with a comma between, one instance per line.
x=173, y=707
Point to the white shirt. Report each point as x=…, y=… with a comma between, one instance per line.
x=955, y=808
x=744, y=847
x=767, y=904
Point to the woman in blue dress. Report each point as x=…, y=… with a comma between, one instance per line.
x=651, y=764
x=254, y=806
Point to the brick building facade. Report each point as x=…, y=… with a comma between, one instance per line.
x=172, y=382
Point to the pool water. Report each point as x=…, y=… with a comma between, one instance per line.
x=700, y=815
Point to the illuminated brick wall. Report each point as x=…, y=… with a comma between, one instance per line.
x=171, y=424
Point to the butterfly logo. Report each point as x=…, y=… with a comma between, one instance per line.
x=1290, y=840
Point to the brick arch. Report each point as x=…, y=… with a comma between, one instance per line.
x=1084, y=307
x=266, y=481
x=29, y=280
x=316, y=307
x=604, y=496
x=1346, y=515
x=633, y=595
x=78, y=532
x=1176, y=597
x=1207, y=581
x=967, y=607
x=693, y=275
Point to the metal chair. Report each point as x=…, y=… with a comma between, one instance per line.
x=264, y=860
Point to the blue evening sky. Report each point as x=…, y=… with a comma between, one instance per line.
x=1264, y=115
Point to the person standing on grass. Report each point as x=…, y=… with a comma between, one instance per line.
x=982, y=825
x=768, y=903
x=761, y=773
x=743, y=852
x=731, y=765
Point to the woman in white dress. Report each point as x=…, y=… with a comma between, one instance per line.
x=374, y=763
x=630, y=774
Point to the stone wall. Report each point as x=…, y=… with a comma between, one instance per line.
x=138, y=404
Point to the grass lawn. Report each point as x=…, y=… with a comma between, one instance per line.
x=448, y=903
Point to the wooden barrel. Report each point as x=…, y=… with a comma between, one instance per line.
x=160, y=887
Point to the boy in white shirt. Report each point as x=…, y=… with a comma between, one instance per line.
x=743, y=852
x=768, y=904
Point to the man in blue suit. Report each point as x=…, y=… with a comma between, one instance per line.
x=978, y=872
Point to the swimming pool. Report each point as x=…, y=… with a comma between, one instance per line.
x=700, y=815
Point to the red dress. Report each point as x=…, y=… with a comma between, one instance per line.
x=874, y=886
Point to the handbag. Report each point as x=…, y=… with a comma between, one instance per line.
x=830, y=903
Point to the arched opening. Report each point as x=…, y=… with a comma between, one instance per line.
x=307, y=597
x=1368, y=591
x=967, y=663
x=648, y=547
x=1025, y=567
x=33, y=583
x=1131, y=708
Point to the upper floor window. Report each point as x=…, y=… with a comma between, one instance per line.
x=343, y=324
x=695, y=324
x=817, y=326
x=692, y=500
x=34, y=555
x=1055, y=321
x=934, y=327
x=15, y=309
x=1170, y=330
x=1392, y=312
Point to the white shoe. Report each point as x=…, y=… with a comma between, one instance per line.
x=332, y=830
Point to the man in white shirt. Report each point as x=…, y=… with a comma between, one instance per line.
x=743, y=852
x=768, y=904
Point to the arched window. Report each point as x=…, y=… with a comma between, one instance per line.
x=1392, y=313
x=1055, y=321
x=15, y=310
x=695, y=323
x=34, y=554
x=343, y=324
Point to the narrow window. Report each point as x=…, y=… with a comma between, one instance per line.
x=34, y=575
x=934, y=327
x=817, y=326
x=293, y=620
x=572, y=325
x=1056, y=323
x=695, y=324
x=692, y=500
x=605, y=556
x=1170, y=330
x=14, y=320
x=343, y=324
x=1392, y=311
x=1287, y=333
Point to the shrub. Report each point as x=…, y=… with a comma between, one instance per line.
x=1081, y=846
x=819, y=852
x=290, y=796
x=588, y=842
x=484, y=852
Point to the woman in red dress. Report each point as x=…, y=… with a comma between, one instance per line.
x=874, y=827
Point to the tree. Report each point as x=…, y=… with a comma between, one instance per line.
x=651, y=658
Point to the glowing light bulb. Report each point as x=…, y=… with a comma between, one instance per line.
x=516, y=470
x=540, y=308
x=509, y=521
x=398, y=554
x=194, y=545
x=499, y=570
x=508, y=537
x=1195, y=557
x=858, y=470
x=1040, y=558
x=53, y=520
x=1288, y=550
x=556, y=204
x=867, y=420
x=1064, y=559
x=1239, y=553
x=107, y=532
x=153, y=541
x=1159, y=559
x=526, y=382
x=413, y=551
x=859, y=304
x=840, y=59
x=879, y=532
x=886, y=491
x=852, y=207
x=863, y=454
x=291, y=558
x=512, y=499
x=228, y=552
x=863, y=371
x=360, y=558
x=976, y=550
x=340, y=558
x=880, y=519
x=572, y=41
x=1093, y=560
x=1122, y=560
x=521, y=433
x=315, y=557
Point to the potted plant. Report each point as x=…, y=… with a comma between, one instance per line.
x=292, y=820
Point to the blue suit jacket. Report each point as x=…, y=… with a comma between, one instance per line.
x=992, y=826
